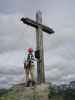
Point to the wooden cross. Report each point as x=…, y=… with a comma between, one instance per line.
x=40, y=28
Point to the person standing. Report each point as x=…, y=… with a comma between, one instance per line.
x=29, y=66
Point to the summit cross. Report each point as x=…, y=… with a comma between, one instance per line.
x=40, y=28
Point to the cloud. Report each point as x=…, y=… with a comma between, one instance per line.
x=10, y=6
x=13, y=33
x=60, y=64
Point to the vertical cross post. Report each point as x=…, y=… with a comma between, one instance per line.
x=39, y=46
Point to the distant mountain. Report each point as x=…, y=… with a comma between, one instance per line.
x=72, y=84
x=3, y=91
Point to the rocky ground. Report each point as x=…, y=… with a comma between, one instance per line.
x=21, y=92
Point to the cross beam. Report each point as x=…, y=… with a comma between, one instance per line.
x=40, y=28
x=36, y=24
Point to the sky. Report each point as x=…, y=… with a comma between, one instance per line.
x=16, y=37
